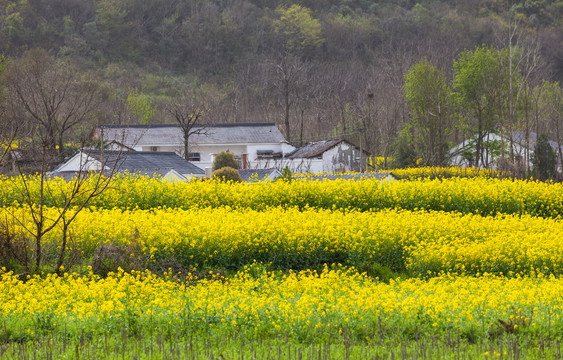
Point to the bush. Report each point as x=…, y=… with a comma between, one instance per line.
x=225, y=159
x=227, y=173
x=544, y=159
x=404, y=154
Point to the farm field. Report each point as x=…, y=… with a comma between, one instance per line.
x=444, y=268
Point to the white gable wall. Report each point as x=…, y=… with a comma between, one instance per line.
x=341, y=158
x=80, y=162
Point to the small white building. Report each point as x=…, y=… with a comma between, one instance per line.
x=495, y=146
x=327, y=156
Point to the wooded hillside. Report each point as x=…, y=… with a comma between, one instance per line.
x=318, y=68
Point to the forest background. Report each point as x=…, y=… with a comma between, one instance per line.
x=406, y=79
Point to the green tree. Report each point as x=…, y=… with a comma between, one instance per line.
x=114, y=24
x=225, y=159
x=298, y=28
x=141, y=106
x=480, y=88
x=403, y=152
x=548, y=108
x=227, y=173
x=430, y=100
x=544, y=159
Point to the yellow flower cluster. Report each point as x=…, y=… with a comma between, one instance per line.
x=424, y=243
x=445, y=172
x=480, y=195
x=304, y=305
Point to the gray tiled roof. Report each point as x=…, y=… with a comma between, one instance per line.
x=71, y=175
x=256, y=174
x=152, y=172
x=313, y=149
x=355, y=177
x=146, y=161
x=158, y=135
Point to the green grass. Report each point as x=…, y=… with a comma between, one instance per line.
x=163, y=344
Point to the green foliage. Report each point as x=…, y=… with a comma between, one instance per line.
x=286, y=174
x=431, y=102
x=225, y=159
x=476, y=75
x=544, y=159
x=227, y=173
x=404, y=153
x=141, y=106
x=481, y=91
x=297, y=26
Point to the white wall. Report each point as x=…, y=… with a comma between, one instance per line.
x=80, y=162
x=206, y=151
x=458, y=160
x=341, y=158
x=277, y=148
x=175, y=149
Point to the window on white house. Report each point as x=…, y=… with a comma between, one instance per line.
x=194, y=156
x=267, y=154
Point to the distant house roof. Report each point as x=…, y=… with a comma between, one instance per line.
x=314, y=149
x=162, y=173
x=162, y=134
x=354, y=177
x=249, y=175
x=158, y=173
x=146, y=161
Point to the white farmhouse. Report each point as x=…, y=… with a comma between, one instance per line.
x=249, y=142
x=328, y=156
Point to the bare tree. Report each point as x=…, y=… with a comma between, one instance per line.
x=7, y=128
x=52, y=94
x=288, y=74
x=8, y=131
x=188, y=111
x=68, y=200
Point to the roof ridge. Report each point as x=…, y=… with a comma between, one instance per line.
x=148, y=126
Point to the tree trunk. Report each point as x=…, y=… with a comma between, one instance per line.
x=186, y=145
x=286, y=112
x=479, y=139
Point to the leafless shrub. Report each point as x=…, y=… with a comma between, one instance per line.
x=109, y=257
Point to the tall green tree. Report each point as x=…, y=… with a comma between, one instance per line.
x=141, y=106
x=432, y=107
x=548, y=108
x=480, y=88
x=298, y=28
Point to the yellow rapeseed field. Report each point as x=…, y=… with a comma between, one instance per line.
x=304, y=305
x=475, y=256
x=480, y=195
x=423, y=243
